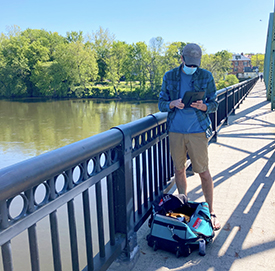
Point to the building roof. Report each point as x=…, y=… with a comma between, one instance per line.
x=240, y=57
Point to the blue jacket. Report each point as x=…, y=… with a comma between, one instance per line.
x=202, y=80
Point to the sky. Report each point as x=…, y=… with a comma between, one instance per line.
x=238, y=26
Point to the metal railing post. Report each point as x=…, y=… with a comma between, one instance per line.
x=226, y=107
x=123, y=193
x=6, y=248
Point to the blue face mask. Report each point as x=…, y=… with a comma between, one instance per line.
x=189, y=70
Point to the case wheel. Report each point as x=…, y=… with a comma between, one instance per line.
x=155, y=246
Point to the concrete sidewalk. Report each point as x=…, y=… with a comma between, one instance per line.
x=242, y=165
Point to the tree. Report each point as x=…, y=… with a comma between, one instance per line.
x=37, y=49
x=102, y=43
x=74, y=36
x=51, y=79
x=229, y=80
x=13, y=31
x=74, y=67
x=13, y=66
x=129, y=65
x=116, y=62
x=155, y=65
x=173, y=54
x=218, y=64
x=258, y=61
x=140, y=58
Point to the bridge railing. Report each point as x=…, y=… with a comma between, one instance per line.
x=106, y=183
x=229, y=100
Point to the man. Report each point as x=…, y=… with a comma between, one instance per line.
x=190, y=127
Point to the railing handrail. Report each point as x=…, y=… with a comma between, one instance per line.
x=28, y=173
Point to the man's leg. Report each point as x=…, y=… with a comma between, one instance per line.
x=178, y=153
x=207, y=188
x=181, y=181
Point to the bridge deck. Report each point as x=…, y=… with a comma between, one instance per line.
x=242, y=165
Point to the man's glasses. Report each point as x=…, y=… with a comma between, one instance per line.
x=191, y=66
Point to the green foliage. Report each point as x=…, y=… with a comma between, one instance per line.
x=51, y=79
x=155, y=66
x=139, y=59
x=101, y=43
x=100, y=92
x=218, y=64
x=173, y=54
x=258, y=61
x=74, y=36
x=78, y=63
x=229, y=80
x=117, y=62
x=13, y=66
x=40, y=63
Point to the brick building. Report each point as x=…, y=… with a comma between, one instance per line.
x=239, y=65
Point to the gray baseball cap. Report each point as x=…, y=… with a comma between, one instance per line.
x=192, y=54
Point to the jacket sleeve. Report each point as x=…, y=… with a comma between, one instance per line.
x=164, y=97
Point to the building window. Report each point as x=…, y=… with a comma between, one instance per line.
x=236, y=63
x=245, y=63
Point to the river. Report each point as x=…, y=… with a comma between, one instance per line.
x=31, y=127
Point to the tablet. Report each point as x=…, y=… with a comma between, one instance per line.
x=192, y=96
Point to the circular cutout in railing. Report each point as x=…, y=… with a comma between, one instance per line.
x=146, y=137
x=140, y=141
x=102, y=160
x=91, y=167
x=76, y=174
x=114, y=155
x=41, y=194
x=17, y=206
x=60, y=183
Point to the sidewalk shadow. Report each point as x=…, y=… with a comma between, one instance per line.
x=241, y=220
x=228, y=245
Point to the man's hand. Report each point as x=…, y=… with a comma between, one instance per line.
x=199, y=105
x=176, y=103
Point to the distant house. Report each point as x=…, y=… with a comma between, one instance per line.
x=241, y=66
x=250, y=72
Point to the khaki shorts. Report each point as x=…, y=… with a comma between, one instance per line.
x=196, y=145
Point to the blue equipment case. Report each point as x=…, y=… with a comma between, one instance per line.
x=180, y=234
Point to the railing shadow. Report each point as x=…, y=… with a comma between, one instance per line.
x=251, y=109
x=247, y=209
